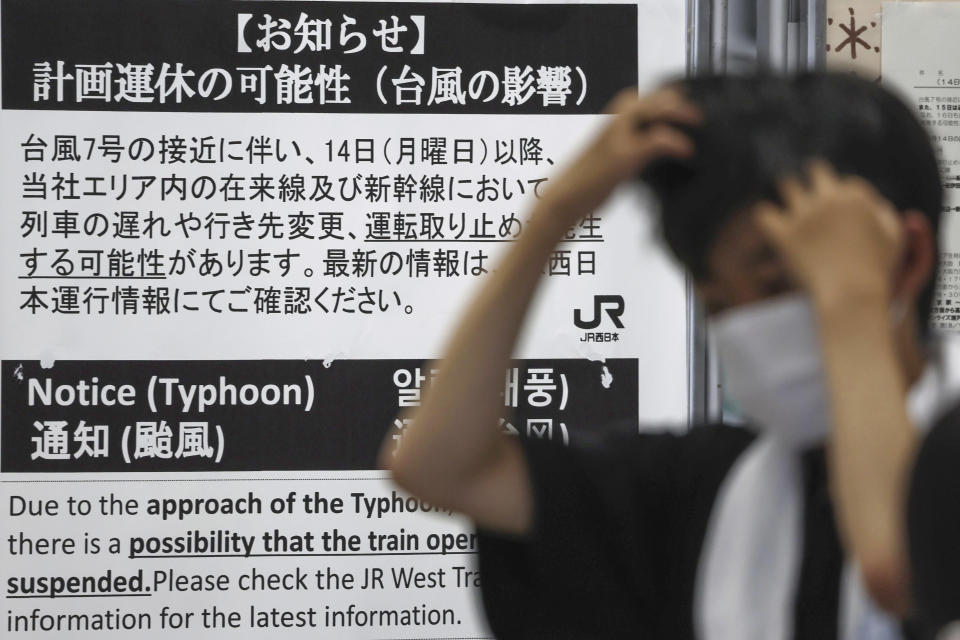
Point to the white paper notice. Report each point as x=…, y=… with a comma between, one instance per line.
x=921, y=59
x=234, y=234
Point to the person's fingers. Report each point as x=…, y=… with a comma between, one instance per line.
x=821, y=174
x=889, y=220
x=771, y=220
x=665, y=141
x=622, y=101
x=666, y=105
x=863, y=188
x=793, y=193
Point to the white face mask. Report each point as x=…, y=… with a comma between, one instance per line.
x=772, y=368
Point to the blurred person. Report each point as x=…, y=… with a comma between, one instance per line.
x=806, y=210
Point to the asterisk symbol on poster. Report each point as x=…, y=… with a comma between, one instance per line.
x=853, y=35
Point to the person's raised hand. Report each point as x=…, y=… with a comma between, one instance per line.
x=839, y=237
x=640, y=131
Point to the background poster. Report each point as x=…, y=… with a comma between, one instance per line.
x=921, y=59
x=233, y=234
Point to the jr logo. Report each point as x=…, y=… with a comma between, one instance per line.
x=612, y=304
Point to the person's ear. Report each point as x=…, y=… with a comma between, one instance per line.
x=918, y=258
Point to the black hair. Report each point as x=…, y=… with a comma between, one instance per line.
x=760, y=128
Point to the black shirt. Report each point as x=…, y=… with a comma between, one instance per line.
x=618, y=525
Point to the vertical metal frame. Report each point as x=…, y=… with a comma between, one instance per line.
x=772, y=34
x=698, y=36
x=700, y=406
x=790, y=37
x=706, y=36
x=706, y=52
x=791, y=34
x=816, y=34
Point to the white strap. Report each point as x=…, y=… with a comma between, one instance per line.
x=751, y=553
x=749, y=564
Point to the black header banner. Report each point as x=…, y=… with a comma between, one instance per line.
x=268, y=415
x=346, y=57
